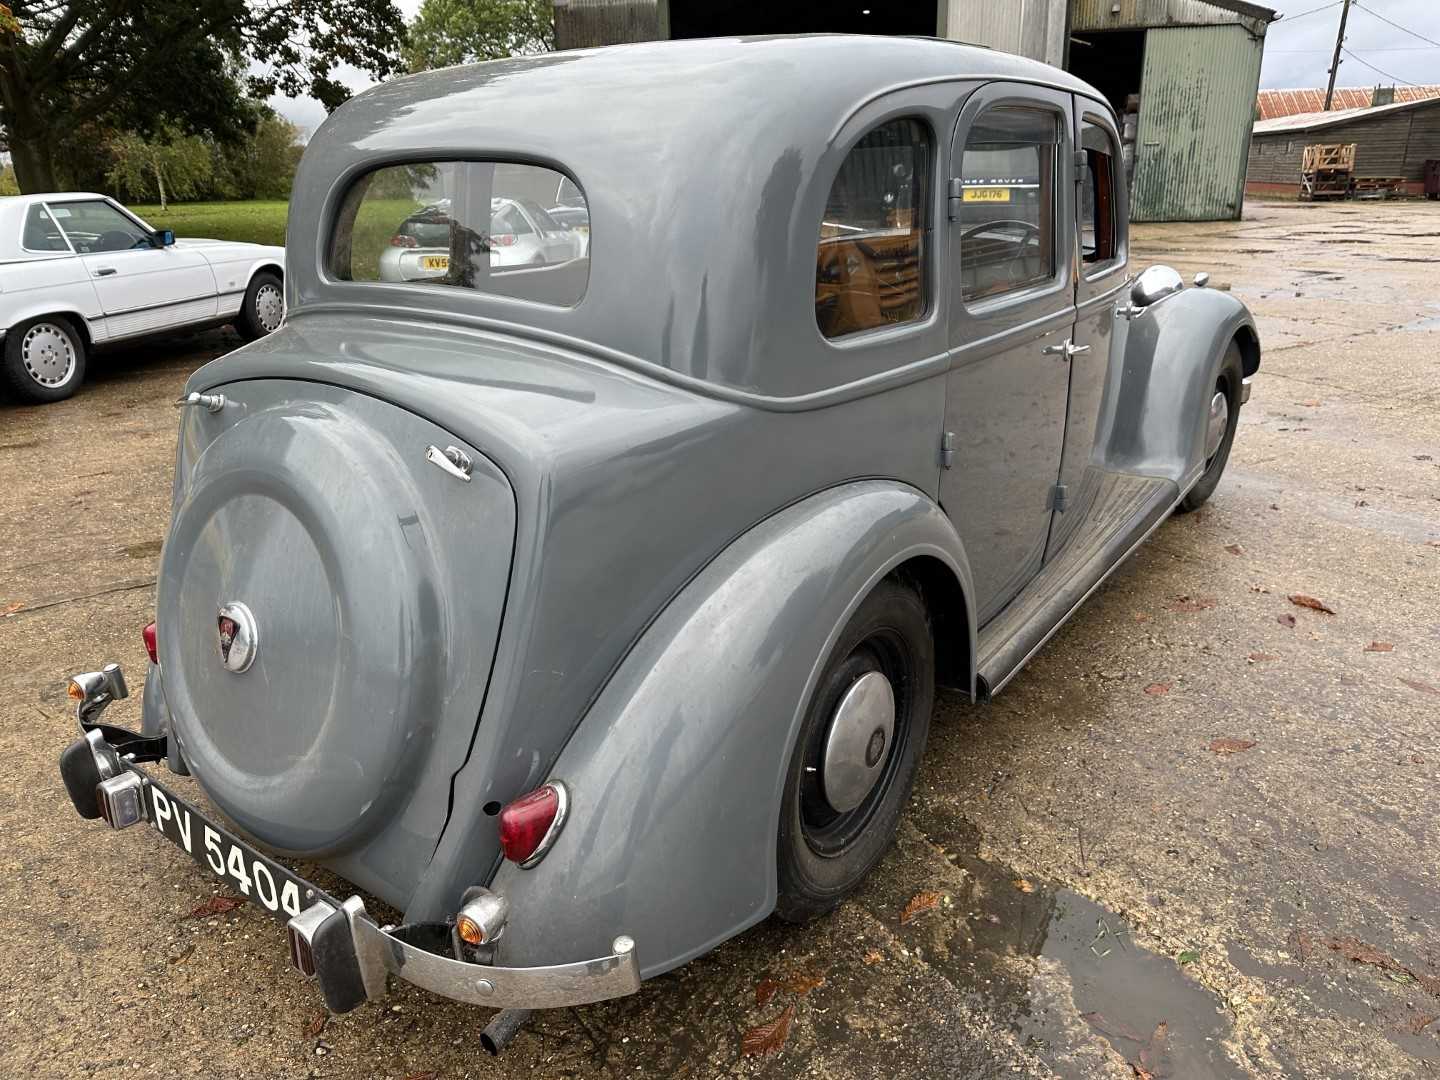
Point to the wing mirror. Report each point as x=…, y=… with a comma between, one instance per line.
x=1154, y=284
x=162, y=238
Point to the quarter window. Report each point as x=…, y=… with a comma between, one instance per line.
x=477, y=225
x=1097, y=195
x=869, y=269
x=41, y=232
x=1007, y=202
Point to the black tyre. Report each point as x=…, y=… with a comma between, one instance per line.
x=44, y=360
x=1227, y=389
x=263, y=308
x=848, y=780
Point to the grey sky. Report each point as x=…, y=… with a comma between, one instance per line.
x=1297, y=49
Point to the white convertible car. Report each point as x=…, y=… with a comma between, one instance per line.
x=78, y=270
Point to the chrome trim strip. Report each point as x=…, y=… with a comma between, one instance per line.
x=550, y=987
x=562, y=811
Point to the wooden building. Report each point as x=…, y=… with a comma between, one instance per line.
x=1390, y=141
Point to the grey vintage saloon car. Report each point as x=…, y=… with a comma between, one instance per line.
x=591, y=610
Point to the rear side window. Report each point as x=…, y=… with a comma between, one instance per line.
x=477, y=225
x=1097, y=196
x=41, y=232
x=870, y=268
x=1007, y=202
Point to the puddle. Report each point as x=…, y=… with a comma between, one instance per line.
x=1023, y=946
x=143, y=551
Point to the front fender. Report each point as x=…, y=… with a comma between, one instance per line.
x=677, y=771
x=1154, y=418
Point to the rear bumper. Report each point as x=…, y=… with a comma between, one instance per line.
x=1245, y=388
x=335, y=942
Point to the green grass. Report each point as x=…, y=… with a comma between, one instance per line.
x=258, y=221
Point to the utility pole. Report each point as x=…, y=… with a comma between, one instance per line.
x=1335, y=62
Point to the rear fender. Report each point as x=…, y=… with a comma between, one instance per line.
x=676, y=774
x=1153, y=421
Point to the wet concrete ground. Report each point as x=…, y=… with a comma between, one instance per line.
x=1091, y=890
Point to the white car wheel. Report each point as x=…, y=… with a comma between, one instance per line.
x=269, y=307
x=48, y=354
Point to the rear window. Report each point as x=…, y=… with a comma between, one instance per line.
x=480, y=225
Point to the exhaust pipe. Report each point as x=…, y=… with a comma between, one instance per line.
x=501, y=1030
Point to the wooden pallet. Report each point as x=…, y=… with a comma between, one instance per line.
x=1331, y=156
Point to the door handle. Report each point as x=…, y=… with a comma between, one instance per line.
x=104, y=271
x=1066, y=348
x=451, y=460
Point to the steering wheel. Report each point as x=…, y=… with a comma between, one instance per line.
x=114, y=240
x=985, y=226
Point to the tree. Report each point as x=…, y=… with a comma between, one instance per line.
x=449, y=32
x=138, y=63
x=263, y=165
x=170, y=164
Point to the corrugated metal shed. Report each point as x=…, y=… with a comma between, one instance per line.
x=1312, y=120
x=1090, y=15
x=581, y=23
x=1273, y=103
x=1033, y=28
x=1197, y=98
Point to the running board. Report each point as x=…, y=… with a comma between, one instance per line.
x=1125, y=510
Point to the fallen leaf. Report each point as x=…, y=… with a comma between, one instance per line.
x=1421, y=1022
x=1301, y=945
x=1023, y=885
x=1230, y=746
x=216, y=905
x=314, y=1027
x=874, y=956
x=1188, y=956
x=1417, y=759
x=1286, y=620
x=1235, y=549
x=1113, y=1029
x=1423, y=687
x=920, y=903
x=1261, y=657
x=803, y=982
x=1301, y=600
x=1142, y=1073
x=765, y=990
x=1152, y=1054
x=1192, y=603
x=1379, y=646
x=11, y=609
x=1311, y=404
x=1158, y=688
x=1359, y=952
x=768, y=1038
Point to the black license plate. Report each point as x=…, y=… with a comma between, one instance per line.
x=264, y=882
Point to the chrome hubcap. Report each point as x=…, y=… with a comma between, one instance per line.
x=860, y=735
x=269, y=307
x=47, y=354
x=1219, y=421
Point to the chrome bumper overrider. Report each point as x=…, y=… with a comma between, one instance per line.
x=1245, y=388
x=335, y=942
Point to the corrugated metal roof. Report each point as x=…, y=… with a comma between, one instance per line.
x=1311, y=120
x=1274, y=103
x=1136, y=14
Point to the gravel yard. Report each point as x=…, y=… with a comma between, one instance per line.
x=1195, y=838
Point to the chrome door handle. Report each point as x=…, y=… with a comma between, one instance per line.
x=104, y=271
x=451, y=460
x=1066, y=348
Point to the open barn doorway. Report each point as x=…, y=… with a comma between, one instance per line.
x=704, y=18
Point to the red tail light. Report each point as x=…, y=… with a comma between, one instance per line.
x=400, y=240
x=504, y=239
x=529, y=825
x=149, y=635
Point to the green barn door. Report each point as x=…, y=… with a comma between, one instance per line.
x=1197, y=105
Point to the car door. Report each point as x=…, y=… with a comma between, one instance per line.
x=141, y=288
x=1011, y=277
x=1100, y=285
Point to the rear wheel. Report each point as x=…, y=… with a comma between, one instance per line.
x=263, y=308
x=44, y=360
x=1223, y=416
x=857, y=752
